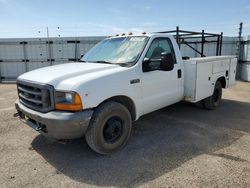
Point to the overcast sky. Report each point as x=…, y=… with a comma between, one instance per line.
x=29, y=18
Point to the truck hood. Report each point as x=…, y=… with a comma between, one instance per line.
x=53, y=75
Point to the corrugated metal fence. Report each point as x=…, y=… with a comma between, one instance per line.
x=245, y=48
x=244, y=63
x=21, y=55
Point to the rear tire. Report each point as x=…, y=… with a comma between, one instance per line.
x=109, y=128
x=213, y=101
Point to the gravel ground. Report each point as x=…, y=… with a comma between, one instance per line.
x=178, y=146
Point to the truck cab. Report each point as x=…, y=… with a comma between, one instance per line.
x=114, y=84
x=156, y=79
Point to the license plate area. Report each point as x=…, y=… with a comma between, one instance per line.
x=32, y=123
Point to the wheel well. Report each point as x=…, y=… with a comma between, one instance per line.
x=222, y=80
x=127, y=102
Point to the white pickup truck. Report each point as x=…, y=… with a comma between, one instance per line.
x=114, y=84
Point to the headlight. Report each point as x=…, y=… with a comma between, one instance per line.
x=69, y=101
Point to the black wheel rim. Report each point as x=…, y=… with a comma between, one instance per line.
x=113, y=129
x=216, y=96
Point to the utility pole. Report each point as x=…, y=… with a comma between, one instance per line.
x=239, y=41
x=238, y=50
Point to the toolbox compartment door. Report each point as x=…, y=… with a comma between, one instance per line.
x=220, y=66
x=204, y=87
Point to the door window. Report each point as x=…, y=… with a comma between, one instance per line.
x=158, y=46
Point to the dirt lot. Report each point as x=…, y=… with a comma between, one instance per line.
x=178, y=146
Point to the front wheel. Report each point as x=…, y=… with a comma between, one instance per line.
x=213, y=101
x=109, y=128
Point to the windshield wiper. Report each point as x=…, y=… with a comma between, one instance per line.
x=106, y=62
x=82, y=61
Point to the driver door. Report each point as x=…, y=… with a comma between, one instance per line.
x=160, y=88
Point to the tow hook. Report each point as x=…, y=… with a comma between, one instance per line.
x=16, y=114
x=41, y=127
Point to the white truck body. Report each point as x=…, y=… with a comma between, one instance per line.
x=192, y=80
x=202, y=73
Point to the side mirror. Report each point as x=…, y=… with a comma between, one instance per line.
x=145, y=65
x=167, y=61
x=81, y=56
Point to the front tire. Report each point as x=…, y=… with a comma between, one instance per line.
x=109, y=128
x=213, y=101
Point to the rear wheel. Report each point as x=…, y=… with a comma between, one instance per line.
x=109, y=128
x=213, y=101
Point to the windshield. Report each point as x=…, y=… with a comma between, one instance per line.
x=122, y=50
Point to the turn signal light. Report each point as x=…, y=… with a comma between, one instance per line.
x=76, y=104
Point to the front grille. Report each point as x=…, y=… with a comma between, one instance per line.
x=38, y=97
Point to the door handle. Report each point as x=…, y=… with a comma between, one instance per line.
x=134, y=81
x=179, y=73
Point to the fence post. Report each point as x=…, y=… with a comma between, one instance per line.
x=25, y=55
x=49, y=48
x=76, y=50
